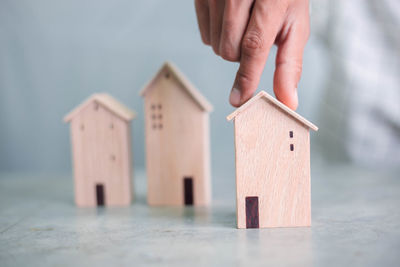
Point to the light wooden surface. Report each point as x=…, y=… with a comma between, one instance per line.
x=356, y=222
x=101, y=148
x=266, y=166
x=177, y=140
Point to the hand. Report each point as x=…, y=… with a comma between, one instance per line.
x=245, y=30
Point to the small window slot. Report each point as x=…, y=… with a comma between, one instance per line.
x=156, y=116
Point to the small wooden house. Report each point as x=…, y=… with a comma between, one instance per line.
x=177, y=140
x=272, y=146
x=101, y=148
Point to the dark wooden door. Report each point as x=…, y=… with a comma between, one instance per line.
x=188, y=190
x=252, y=220
x=100, y=195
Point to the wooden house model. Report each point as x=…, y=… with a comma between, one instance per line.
x=272, y=147
x=177, y=140
x=101, y=148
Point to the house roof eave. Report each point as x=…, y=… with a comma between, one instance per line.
x=276, y=103
x=107, y=102
x=185, y=83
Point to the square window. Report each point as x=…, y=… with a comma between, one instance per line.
x=291, y=134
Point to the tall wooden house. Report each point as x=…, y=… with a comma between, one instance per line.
x=272, y=147
x=177, y=140
x=101, y=149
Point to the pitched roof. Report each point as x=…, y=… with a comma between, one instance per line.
x=185, y=83
x=107, y=102
x=275, y=102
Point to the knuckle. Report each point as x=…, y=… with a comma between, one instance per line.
x=206, y=39
x=229, y=53
x=229, y=48
x=228, y=26
x=252, y=42
x=215, y=48
x=214, y=41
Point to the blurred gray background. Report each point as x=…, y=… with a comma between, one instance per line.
x=54, y=54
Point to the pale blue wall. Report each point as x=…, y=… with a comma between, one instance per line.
x=54, y=54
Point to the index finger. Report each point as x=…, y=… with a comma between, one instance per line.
x=260, y=35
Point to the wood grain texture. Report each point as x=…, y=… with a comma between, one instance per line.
x=180, y=147
x=267, y=168
x=101, y=148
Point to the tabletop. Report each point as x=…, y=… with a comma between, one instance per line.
x=355, y=221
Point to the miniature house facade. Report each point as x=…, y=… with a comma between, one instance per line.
x=101, y=149
x=272, y=150
x=177, y=140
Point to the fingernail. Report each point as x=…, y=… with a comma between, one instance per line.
x=235, y=97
